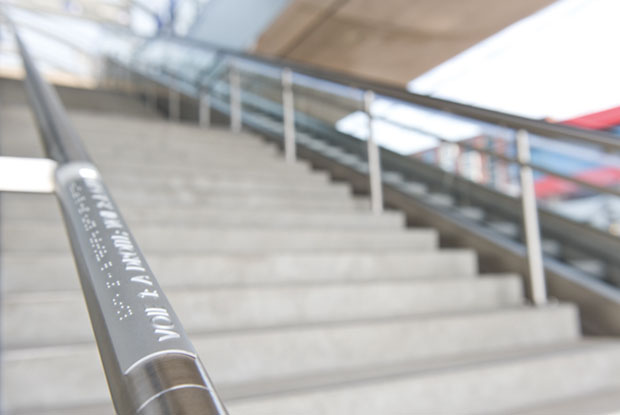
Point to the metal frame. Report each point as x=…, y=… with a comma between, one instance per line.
x=602, y=139
x=288, y=115
x=374, y=161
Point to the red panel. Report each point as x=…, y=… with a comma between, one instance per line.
x=554, y=186
x=596, y=121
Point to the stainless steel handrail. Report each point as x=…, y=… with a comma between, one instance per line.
x=607, y=141
x=150, y=364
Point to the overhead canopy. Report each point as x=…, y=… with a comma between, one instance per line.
x=391, y=40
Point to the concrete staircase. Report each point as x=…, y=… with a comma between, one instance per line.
x=298, y=299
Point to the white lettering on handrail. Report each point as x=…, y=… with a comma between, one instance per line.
x=105, y=227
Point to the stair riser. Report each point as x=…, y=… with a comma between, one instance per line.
x=202, y=194
x=231, y=198
x=138, y=148
x=205, y=154
x=41, y=319
x=507, y=385
x=233, y=203
x=37, y=379
x=444, y=393
x=152, y=131
x=45, y=237
x=58, y=272
x=136, y=216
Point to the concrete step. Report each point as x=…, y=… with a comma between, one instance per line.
x=176, y=138
x=39, y=377
x=128, y=199
x=216, y=176
x=193, y=157
x=600, y=402
x=126, y=146
x=487, y=383
x=100, y=101
x=208, y=142
x=270, y=172
x=44, y=207
x=271, y=219
x=52, y=272
x=207, y=148
x=39, y=318
x=232, y=198
x=112, y=126
x=131, y=166
x=115, y=126
x=237, y=197
x=311, y=182
x=241, y=200
x=207, y=190
x=588, y=386
x=45, y=236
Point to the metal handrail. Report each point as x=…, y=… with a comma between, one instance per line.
x=607, y=141
x=274, y=68
x=150, y=364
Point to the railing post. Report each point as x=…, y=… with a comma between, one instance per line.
x=538, y=290
x=234, y=81
x=374, y=161
x=288, y=115
x=204, y=110
x=174, y=105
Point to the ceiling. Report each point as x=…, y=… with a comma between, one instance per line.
x=388, y=40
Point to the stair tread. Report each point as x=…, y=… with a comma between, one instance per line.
x=38, y=318
x=599, y=402
x=257, y=396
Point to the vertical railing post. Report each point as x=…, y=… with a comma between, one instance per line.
x=204, y=111
x=288, y=115
x=174, y=105
x=538, y=290
x=374, y=161
x=234, y=81
x=442, y=155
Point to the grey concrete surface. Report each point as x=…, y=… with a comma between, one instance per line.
x=38, y=318
x=249, y=356
x=297, y=298
x=56, y=272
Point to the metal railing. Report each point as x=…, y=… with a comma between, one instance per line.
x=243, y=85
x=150, y=365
